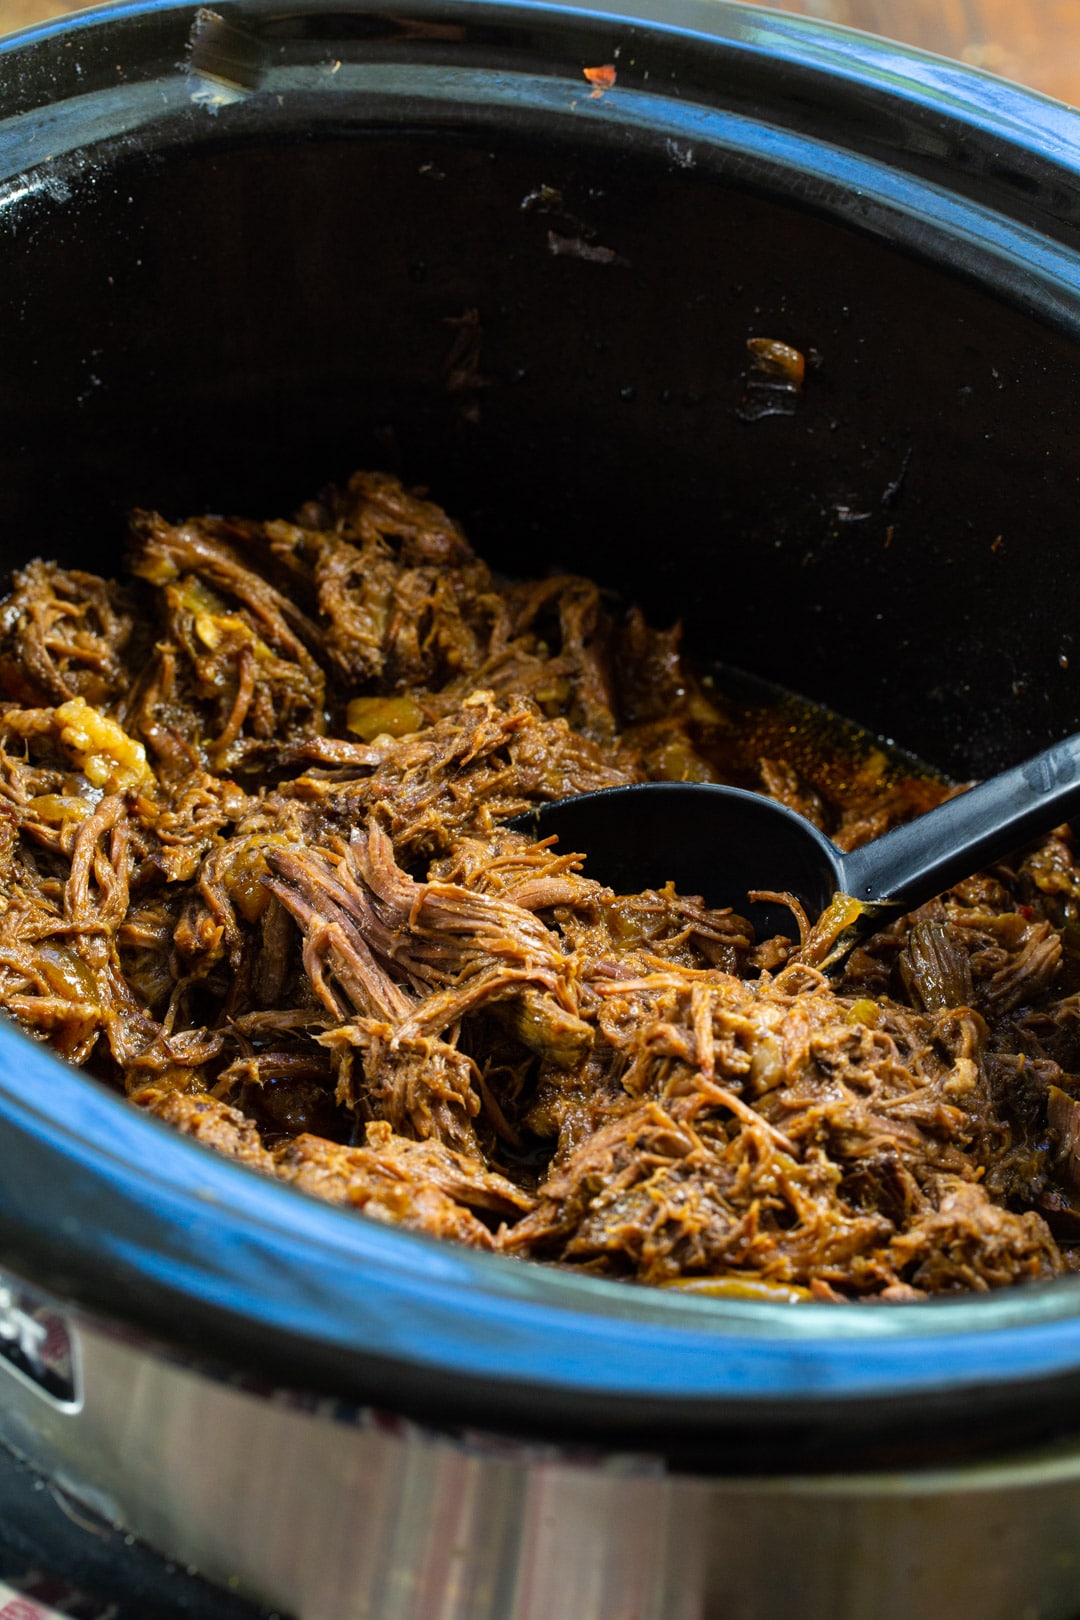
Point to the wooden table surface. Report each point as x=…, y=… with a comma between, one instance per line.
x=1035, y=41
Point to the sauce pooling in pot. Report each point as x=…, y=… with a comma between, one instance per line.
x=257, y=872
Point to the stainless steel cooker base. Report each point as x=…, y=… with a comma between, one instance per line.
x=327, y=1511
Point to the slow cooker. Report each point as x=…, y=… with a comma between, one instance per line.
x=246, y=249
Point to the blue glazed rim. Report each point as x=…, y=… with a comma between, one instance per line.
x=124, y=1219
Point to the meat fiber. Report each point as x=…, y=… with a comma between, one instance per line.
x=256, y=872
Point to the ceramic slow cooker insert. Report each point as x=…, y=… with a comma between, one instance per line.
x=235, y=248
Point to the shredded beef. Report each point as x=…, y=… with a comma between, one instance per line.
x=256, y=872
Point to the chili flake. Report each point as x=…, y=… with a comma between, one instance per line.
x=601, y=79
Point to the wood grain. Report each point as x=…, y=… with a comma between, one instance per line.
x=1034, y=41
x=23, y=13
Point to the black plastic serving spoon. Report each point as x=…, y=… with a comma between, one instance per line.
x=722, y=842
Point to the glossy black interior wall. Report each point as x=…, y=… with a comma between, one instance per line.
x=552, y=335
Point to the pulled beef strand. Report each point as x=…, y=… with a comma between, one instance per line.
x=256, y=872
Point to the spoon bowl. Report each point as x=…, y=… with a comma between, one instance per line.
x=719, y=842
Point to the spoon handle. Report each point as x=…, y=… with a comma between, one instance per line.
x=917, y=861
